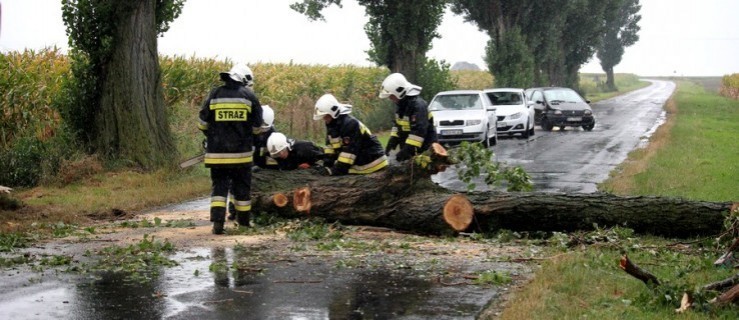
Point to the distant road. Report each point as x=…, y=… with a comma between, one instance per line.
x=575, y=160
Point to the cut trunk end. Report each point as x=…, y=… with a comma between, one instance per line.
x=458, y=212
x=280, y=200
x=301, y=199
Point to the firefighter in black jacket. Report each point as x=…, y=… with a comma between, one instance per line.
x=293, y=154
x=230, y=118
x=351, y=147
x=413, y=129
x=262, y=158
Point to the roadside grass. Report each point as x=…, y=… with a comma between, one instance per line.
x=592, y=85
x=586, y=283
x=693, y=155
x=103, y=196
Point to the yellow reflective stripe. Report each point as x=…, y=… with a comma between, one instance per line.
x=229, y=106
x=217, y=201
x=431, y=115
x=347, y=158
x=336, y=145
x=370, y=167
x=228, y=158
x=271, y=161
x=363, y=129
x=242, y=205
x=334, y=140
x=414, y=140
x=202, y=125
x=328, y=150
x=403, y=122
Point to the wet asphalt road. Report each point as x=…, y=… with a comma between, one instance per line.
x=572, y=160
x=575, y=160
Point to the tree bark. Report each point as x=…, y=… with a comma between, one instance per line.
x=404, y=198
x=132, y=122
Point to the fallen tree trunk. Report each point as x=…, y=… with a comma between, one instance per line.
x=404, y=198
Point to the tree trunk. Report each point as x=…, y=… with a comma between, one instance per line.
x=132, y=122
x=610, y=81
x=406, y=199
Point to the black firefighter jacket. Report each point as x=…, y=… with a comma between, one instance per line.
x=352, y=148
x=229, y=118
x=413, y=129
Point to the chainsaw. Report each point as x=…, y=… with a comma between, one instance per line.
x=192, y=161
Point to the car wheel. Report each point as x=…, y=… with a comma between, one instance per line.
x=588, y=127
x=526, y=133
x=485, y=140
x=546, y=125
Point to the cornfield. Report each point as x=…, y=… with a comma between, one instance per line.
x=29, y=82
x=34, y=80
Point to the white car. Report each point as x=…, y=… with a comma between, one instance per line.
x=515, y=112
x=464, y=115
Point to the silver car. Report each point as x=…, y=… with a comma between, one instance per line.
x=515, y=112
x=464, y=115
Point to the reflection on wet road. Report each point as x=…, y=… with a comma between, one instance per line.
x=575, y=160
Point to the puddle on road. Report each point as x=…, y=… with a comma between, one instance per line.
x=225, y=283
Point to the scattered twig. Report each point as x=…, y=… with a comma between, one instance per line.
x=297, y=281
x=241, y=291
x=218, y=301
x=639, y=273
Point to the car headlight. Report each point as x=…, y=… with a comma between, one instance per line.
x=588, y=112
x=557, y=111
x=473, y=122
x=515, y=115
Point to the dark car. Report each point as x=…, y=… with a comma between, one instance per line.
x=560, y=107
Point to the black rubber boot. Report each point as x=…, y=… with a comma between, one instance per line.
x=218, y=227
x=243, y=218
x=231, y=211
x=217, y=215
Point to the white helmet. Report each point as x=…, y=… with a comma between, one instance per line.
x=396, y=85
x=327, y=104
x=240, y=73
x=268, y=116
x=278, y=142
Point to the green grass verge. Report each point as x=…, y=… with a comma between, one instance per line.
x=697, y=159
x=694, y=155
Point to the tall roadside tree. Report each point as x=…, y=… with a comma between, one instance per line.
x=400, y=32
x=622, y=28
x=117, y=104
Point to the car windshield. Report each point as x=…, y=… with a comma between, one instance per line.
x=505, y=98
x=562, y=95
x=456, y=102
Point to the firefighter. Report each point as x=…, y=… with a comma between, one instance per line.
x=351, y=146
x=230, y=118
x=413, y=129
x=262, y=158
x=293, y=154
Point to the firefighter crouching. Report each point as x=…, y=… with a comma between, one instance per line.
x=293, y=154
x=230, y=118
x=413, y=129
x=351, y=146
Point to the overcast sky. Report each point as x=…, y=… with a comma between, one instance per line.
x=678, y=37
